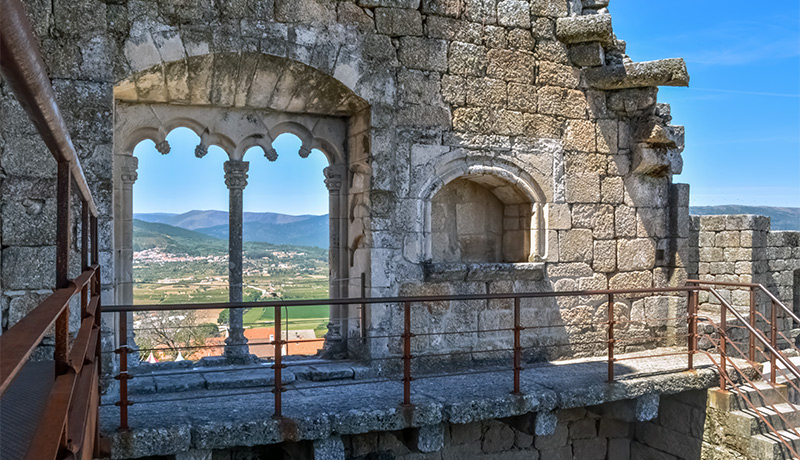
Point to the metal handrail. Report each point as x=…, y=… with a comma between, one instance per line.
x=756, y=333
x=396, y=300
x=751, y=286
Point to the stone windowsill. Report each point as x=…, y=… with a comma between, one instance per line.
x=528, y=271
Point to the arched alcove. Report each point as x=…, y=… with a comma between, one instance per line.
x=501, y=216
x=480, y=219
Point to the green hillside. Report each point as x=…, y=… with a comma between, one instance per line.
x=174, y=240
x=781, y=218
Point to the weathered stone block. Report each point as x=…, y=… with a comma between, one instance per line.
x=320, y=11
x=521, y=39
x=585, y=428
x=582, y=188
x=712, y=223
x=514, y=13
x=396, y=22
x=581, y=29
x=542, y=126
x=612, y=190
x=499, y=437
x=517, y=66
x=28, y=267
x=467, y=59
x=522, y=97
x=575, y=245
x=413, y=4
x=481, y=11
x=486, y=92
x=454, y=90
x=568, y=103
x=587, y=54
x=553, y=74
x=589, y=449
x=598, y=217
x=423, y=53
x=465, y=433
x=555, y=441
x=636, y=254
x=548, y=8
x=605, y=256
x=452, y=8
x=631, y=280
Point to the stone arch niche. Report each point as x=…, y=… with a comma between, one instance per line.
x=238, y=109
x=484, y=213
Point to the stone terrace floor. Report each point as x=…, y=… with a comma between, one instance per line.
x=166, y=423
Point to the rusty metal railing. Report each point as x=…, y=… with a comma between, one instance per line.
x=405, y=307
x=768, y=346
x=69, y=423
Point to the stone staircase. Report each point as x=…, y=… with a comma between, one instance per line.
x=732, y=422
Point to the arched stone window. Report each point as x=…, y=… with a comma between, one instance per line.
x=480, y=219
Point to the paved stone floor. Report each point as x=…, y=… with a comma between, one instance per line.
x=215, y=419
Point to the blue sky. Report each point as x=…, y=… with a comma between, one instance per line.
x=741, y=112
x=742, y=109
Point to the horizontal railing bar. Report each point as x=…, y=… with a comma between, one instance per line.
x=79, y=410
x=24, y=70
x=21, y=339
x=46, y=441
x=77, y=355
x=387, y=300
x=85, y=277
x=750, y=285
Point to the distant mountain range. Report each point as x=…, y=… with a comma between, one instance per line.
x=265, y=227
x=781, y=218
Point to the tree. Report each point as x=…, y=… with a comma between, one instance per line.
x=173, y=331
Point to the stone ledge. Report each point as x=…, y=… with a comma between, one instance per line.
x=526, y=271
x=664, y=72
x=225, y=419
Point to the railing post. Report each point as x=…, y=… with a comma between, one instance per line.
x=773, y=340
x=517, y=347
x=751, y=350
x=63, y=240
x=363, y=308
x=123, y=376
x=407, y=355
x=723, y=334
x=692, y=339
x=278, y=366
x=611, y=322
x=84, y=254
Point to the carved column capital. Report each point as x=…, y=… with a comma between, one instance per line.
x=236, y=174
x=201, y=150
x=270, y=154
x=334, y=177
x=163, y=147
x=129, y=165
x=304, y=152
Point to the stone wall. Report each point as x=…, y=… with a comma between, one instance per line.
x=536, y=96
x=742, y=249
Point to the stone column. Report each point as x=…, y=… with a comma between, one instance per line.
x=128, y=168
x=335, y=339
x=236, y=349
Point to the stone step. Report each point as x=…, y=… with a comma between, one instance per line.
x=747, y=422
x=770, y=447
x=759, y=394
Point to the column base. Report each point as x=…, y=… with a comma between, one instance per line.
x=334, y=347
x=237, y=351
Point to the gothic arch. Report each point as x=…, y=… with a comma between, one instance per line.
x=236, y=113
